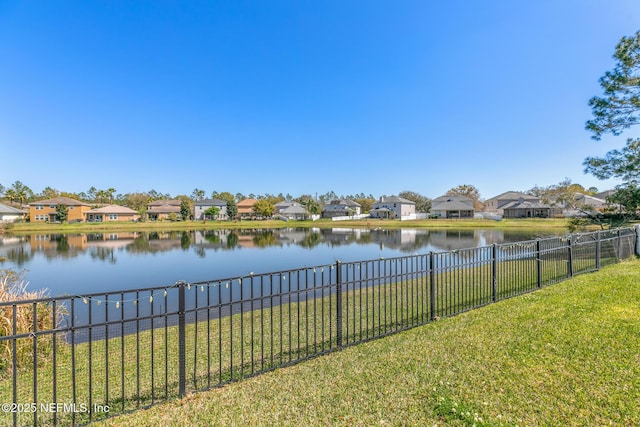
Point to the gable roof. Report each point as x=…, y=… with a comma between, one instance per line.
x=163, y=202
x=210, y=202
x=452, y=205
x=113, y=209
x=6, y=209
x=396, y=199
x=246, y=203
x=346, y=202
x=59, y=201
x=525, y=204
x=513, y=195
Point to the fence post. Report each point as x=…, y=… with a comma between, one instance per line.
x=619, y=251
x=494, y=272
x=570, y=256
x=637, y=230
x=538, y=264
x=181, y=339
x=598, y=249
x=432, y=285
x=339, y=303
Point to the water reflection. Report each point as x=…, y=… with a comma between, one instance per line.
x=19, y=250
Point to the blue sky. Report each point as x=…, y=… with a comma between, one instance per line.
x=304, y=97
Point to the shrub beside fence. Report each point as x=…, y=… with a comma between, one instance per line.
x=119, y=351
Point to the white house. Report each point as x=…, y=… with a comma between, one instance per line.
x=10, y=214
x=340, y=207
x=393, y=207
x=200, y=206
x=290, y=210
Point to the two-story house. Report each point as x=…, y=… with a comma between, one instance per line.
x=45, y=210
x=201, y=206
x=393, y=207
x=340, y=207
x=164, y=209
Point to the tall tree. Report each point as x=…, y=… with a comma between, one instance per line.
x=264, y=208
x=62, y=212
x=197, y=194
x=109, y=193
x=22, y=192
x=469, y=191
x=423, y=203
x=617, y=110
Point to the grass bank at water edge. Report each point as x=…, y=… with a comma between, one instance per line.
x=26, y=227
x=568, y=354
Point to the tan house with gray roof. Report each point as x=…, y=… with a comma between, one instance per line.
x=111, y=213
x=45, y=210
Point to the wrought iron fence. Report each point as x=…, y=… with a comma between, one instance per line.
x=75, y=359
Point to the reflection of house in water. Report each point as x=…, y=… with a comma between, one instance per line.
x=56, y=245
x=449, y=240
x=342, y=236
x=14, y=249
x=291, y=236
x=395, y=239
x=111, y=240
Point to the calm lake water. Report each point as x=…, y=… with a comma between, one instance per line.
x=77, y=264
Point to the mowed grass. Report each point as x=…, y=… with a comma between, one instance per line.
x=34, y=227
x=568, y=354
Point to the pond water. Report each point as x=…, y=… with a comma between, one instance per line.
x=75, y=264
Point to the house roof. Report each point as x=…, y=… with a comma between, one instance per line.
x=59, y=201
x=347, y=202
x=170, y=202
x=456, y=198
x=294, y=210
x=396, y=199
x=285, y=204
x=6, y=209
x=525, y=204
x=513, y=195
x=210, y=202
x=164, y=209
x=246, y=203
x=452, y=205
x=113, y=209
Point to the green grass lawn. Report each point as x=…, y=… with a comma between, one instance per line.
x=568, y=354
x=27, y=227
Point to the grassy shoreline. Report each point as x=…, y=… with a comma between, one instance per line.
x=26, y=228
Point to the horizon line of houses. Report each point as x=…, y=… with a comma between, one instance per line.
x=510, y=204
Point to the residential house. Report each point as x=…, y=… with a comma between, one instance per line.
x=111, y=213
x=245, y=208
x=45, y=210
x=10, y=214
x=393, y=207
x=513, y=204
x=201, y=206
x=340, y=207
x=290, y=210
x=164, y=209
x=452, y=207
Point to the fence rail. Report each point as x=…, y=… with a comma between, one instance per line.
x=76, y=359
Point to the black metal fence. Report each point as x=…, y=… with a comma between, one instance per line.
x=76, y=359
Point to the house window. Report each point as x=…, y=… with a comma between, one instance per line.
x=70, y=207
x=52, y=206
x=113, y=216
x=39, y=207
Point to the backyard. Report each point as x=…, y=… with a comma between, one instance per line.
x=564, y=355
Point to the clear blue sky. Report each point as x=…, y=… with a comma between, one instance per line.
x=303, y=97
